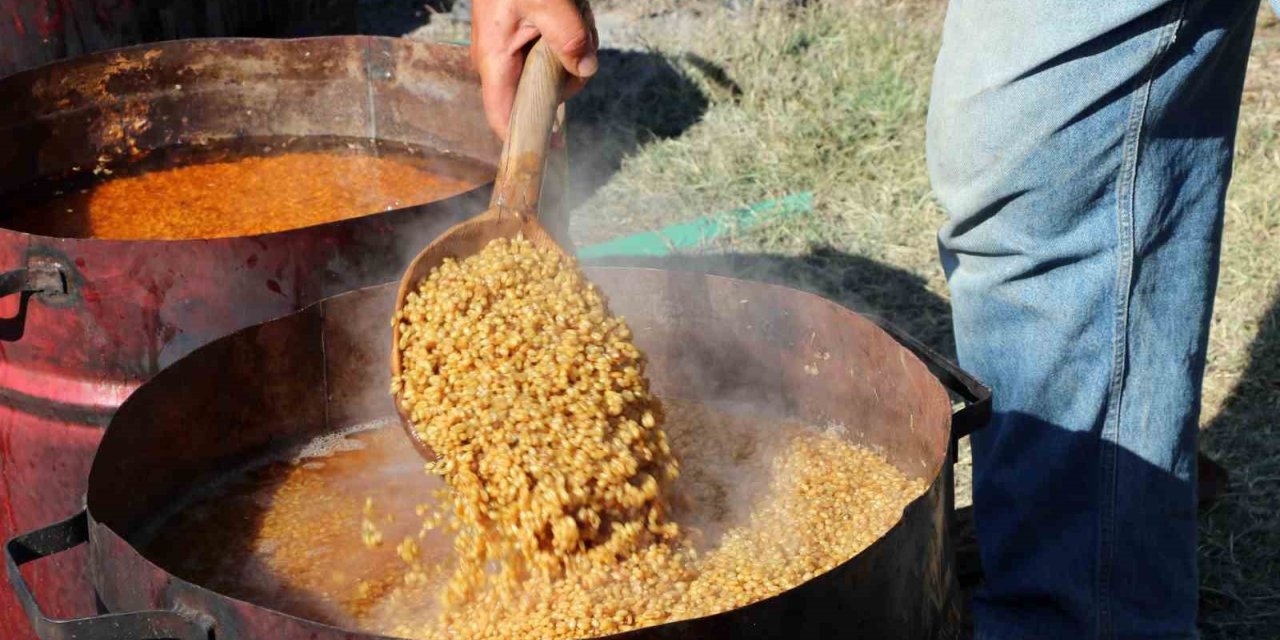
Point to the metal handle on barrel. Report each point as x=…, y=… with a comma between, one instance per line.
x=38, y=277
x=140, y=625
x=977, y=396
x=43, y=276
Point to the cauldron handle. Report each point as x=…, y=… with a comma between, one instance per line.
x=977, y=396
x=140, y=625
x=41, y=276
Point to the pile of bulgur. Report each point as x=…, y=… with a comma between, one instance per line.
x=564, y=495
x=515, y=373
x=764, y=504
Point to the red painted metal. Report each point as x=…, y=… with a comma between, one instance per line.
x=67, y=360
x=34, y=32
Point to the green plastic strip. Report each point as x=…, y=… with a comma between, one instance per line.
x=465, y=43
x=695, y=233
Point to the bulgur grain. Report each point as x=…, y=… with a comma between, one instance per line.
x=764, y=505
x=563, y=506
x=533, y=395
x=560, y=469
x=758, y=497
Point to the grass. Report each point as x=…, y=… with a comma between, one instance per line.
x=831, y=98
x=1240, y=537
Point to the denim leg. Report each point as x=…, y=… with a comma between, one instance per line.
x=1082, y=150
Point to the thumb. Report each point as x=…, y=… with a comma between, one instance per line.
x=570, y=34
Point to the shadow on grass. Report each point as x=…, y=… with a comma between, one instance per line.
x=859, y=283
x=1240, y=544
x=635, y=98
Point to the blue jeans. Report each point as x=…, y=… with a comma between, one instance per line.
x=1082, y=150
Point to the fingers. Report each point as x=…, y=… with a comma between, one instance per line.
x=494, y=26
x=573, y=86
x=501, y=31
x=499, y=76
x=568, y=31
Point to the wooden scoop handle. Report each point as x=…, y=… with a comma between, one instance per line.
x=524, y=156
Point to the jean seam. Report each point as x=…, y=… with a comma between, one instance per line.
x=1126, y=195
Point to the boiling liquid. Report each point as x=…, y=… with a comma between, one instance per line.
x=247, y=187
x=287, y=534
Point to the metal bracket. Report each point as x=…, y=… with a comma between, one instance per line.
x=977, y=396
x=42, y=276
x=45, y=278
x=140, y=625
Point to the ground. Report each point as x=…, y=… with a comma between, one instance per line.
x=705, y=106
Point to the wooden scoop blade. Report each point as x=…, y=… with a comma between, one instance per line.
x=514, y=208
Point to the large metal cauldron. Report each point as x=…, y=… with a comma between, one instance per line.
x=325, y=368
x=85, y=321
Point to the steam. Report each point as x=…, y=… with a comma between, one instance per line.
x=635, y=98
x=728, y=454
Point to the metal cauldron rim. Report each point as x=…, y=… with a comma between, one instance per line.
x=134, y=48
x=193, y=623
x=480, y=190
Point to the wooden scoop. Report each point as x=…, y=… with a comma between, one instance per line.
x=514, y=208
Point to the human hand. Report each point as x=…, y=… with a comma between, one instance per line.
x=501, y=31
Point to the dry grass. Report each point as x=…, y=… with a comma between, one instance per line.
x=1240, y=537
x=831, y=98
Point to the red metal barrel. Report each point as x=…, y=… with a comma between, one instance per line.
x=34, y=32
x=85, y=321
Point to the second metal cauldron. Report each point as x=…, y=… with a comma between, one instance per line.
x=86, y=320
x=323, y=369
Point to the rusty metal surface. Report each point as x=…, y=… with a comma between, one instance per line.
x=34, y=32
x=708, y=338
x=122, y=103
x=67, y=359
